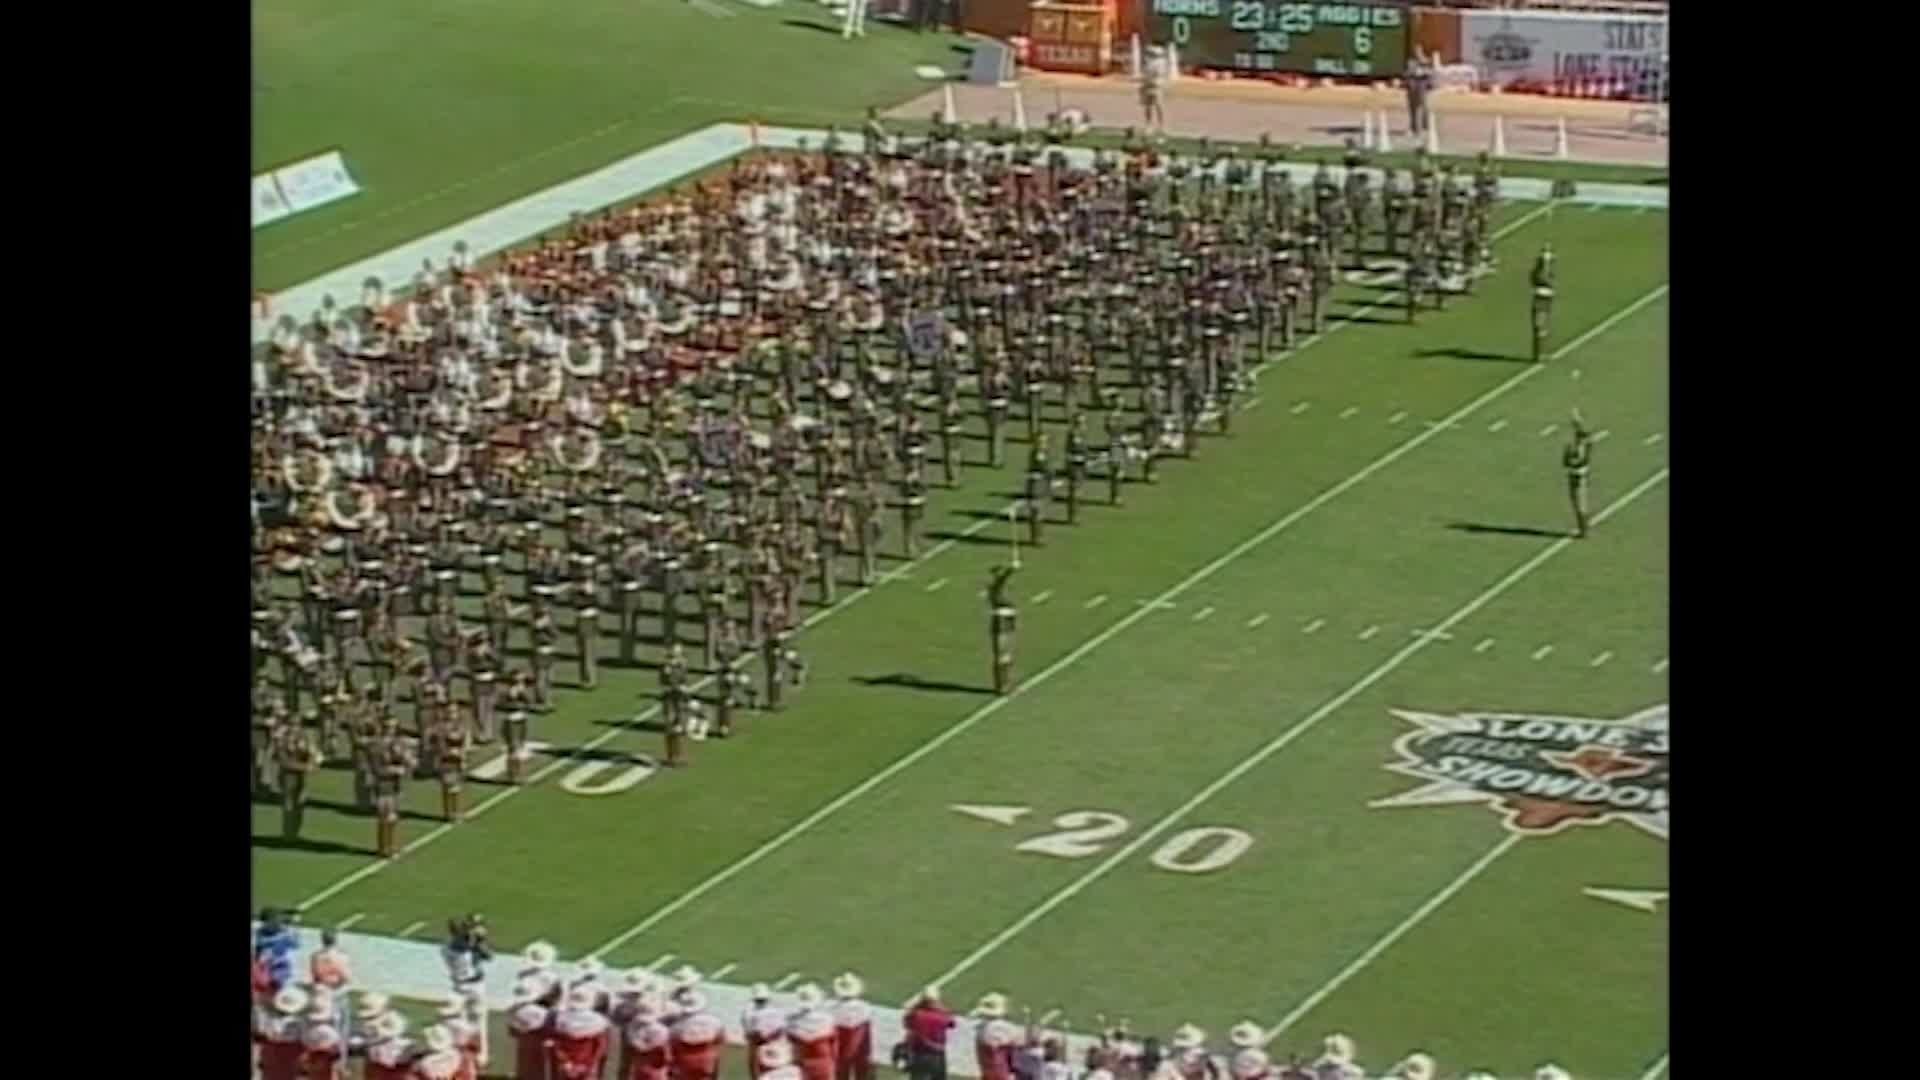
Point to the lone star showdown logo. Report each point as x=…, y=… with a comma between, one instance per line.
x=1540, y=773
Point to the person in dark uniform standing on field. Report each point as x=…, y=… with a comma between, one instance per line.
x=1543, y=274
x=1577, y=459
x=393, y=760
x=1001, y=616
x=1419, y=83
x=1039, y=490
x=297, y=753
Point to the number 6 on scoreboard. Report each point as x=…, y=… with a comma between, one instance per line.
x=1362, y=40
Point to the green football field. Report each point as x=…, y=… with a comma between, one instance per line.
x=1174, y=817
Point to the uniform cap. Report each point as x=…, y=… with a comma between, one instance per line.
x=372, y=1003
x=808, y=994
x=1551, y=1072
x=1188, y=1037
x=693, y=1001
x=848, y=985
x=1246, y=1034
x=1339, y=1049
x=580, y=998
x=762, y=992
x=686, y=976
x=541, y=954
x=290, y=1000
x=438, y=1039
x=1249, y=1063
x=390, y=1026
x=992, y=1005
x=637, y=980
x=453, y=1005
x=590, y=968
x=1417, y=1067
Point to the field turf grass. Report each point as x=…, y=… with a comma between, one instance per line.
x=445, y=110
x=1223, y=651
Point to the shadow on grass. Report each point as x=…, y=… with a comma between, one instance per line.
x=1505, y=530
x=1470, y=354
x=915, y=682
x=318, y=847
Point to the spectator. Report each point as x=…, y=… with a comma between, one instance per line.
x=927, y=1024
x=328, y=968
x=466, y=953
x=275, y=942
x=1419, y=81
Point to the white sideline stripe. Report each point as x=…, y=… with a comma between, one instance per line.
x=1652, y=439
x=1313, y=627
x=1096, y=601
x=1601, y=659
x=1279, y=743
x=1541, y=652
x=723, y=971
x=1250, y=403
x=610, y=734
x=1257, y=620
x=1498, y=425
x=407, y=930
x=804, y=824
x=1373, y=952
x=1658, y=1068
x=349, y=922
x=1203, y=613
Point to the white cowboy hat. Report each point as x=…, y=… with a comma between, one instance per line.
x=637, y=980
x=775, y=1055
x=290, y=1000
x=390, y=1026
x=372, y=1003
x=761, y=992
x=1551, y=1072
x=686, y=976
x=1246, y=1035
x=693, y=1001
x=1339, y=1049
x=540, y=954
x=992, y=1006
x=590, y=968
x=932, y=994
x=1417, y=1066
x=454, y=1005
x=1099, y=1074
x=579, y=998
x=438, y=1039
x=808, y=994
x=848, y=985
x=1188, y=1037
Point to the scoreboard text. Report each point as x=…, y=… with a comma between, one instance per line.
x=1267, y=35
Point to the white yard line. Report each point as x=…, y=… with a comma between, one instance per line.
x=1548, y=430
x=1095, y=602
x=1255, y=622
x=1601, y=435
x=1542, y=652
x=1437, y=635
x=1485, y=644
x=1652, y=439
x=807, y=823
x=1279, y=743
x=1601, y=659
x=660, y=962
x=1250, y=403
x=1575, y=373
x=1658, y=1069
x=1373, y=951
x=1313, y=627
x=1348, y=412
x=1203, y=614
x=1047, y=1017
x=937, y=586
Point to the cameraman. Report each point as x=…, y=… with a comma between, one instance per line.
x=466, y=953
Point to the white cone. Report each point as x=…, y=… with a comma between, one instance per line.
x=1386, y=143
x=1366, y=131
x=1433, y=135
x=1560, y=141
x=1499, y=137
x=948, y=114
x=1019, y=111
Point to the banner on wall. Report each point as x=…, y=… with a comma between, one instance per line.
x=268, y=203
x=1541, y=48
x=316, y=181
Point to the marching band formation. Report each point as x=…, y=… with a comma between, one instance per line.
x=665, y=427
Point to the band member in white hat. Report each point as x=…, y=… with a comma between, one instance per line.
x=389, y=1052
x=322, y=1045
x=540, y=959
x=530, y=1024
x=994, y=1038
x=580, y=1038
x=853, y=1029
x=1551, y=1072
x=648, y=1042
x=697, y=1039
x=1416, y=1066
x=1336, y=1059
x=278, y=1033
x=464, y=1018
x=1190, y=1057
x=1250, y=1060
x=775, y=1062
x=442, y=1061
x=588, y=978
x=763, y=1023
x=811, y=1032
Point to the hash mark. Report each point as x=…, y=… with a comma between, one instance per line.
x=1497, y=425
x=1652, y=439
x=1369, y=632
x=787, y=980
x=1548, y=430
x=1541, y=652
x=1097, y=601
x=350, y=920
x=1043, y=597
x=1313, y=626
x=1660, y=667
x=1257, y=620
x=1601, y=434
x=1250, y=403
x=1601, y=659
x=722, y=972
x=938, y=585
x=1203, y=613
x=1485, y=644
x=1397, y=417
x=1047, y=1017
x=1575, y=373
x=407, y=931
x=1347, y=412
x=1301, y=407
x=660, y=963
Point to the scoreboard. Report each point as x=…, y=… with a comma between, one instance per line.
x=1368, y=39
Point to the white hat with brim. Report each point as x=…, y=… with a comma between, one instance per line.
x=1339, y=1049
x=686, y=976
x=540, y=954
x=579, y=998
x=808, y=994
x=848, y=985
x=290, y=1000
x=761, y=992
x=390, y=1026
x=931, y=993
x=1418, y=1066
x=454, y=1005
x=992, y=1006
x=1551, y=1072
x=693, y=1001
x=372, y=1003
x=438, y=1039
x=1188, y=1037
x=1249, y=1063
x=774, y=1055
x=590, y=969
x=1247, y=1035
x=637, y=980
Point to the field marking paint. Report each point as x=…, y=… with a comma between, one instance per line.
x=661, y=962
x=787, y=980
x=1095, y=602
x=1541, y=652
x=1047, y=1017
x=1661, y=667
x=1250, y=403
x=349, y=921
x=1652, y=439
x=937, y=586
x=1313, y=627
x=1257, y=620
x=1420, y=913
x=713, y=9
x=612, y=733
x=1548, y=430
x=1154, y=604
x=805, y=824
x=1348, y=412
x=1601, y=659
x=1397, y=417
x=721, y=972
x=1485, y=644
x=1601, y=435
x=1203, y=613
x=1575, y=372
x=1437, y=635
x=1300, y=407
x=1498, y=425
x=1280, y=742
x=1368, y=633
x=1043, y=597
x=407, y=930
x=1658, y=1069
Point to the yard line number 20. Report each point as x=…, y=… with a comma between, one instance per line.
x=1195, y=851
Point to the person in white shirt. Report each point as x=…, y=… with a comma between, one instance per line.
x=856, y=20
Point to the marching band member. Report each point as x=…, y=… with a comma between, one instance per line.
x=442, y=1060
x=647, y=1041
x=278, y=1033
x=1250, y=1061
x=811, y=1033
x=463, y=1015
x=389, y=1053
x=1551, y=1072
x=531, y=1026
x=762, y=1023
x=994, y=1038
x=697, y=1039
x=1190, y=1058
x=1336, y=1060
x=1417, y=1066
x=853, y=1030
x=323, y=1046
x=775, y=1062
x=580, y=1038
